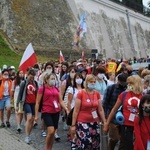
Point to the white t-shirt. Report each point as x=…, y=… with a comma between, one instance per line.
x=110, y=82
x=74, y=92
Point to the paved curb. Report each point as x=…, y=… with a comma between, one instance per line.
x=8, y=141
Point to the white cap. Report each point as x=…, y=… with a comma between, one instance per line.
x=4, y=66
x=12, y=67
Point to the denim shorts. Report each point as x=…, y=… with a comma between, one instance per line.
x=29, y=108
x=5, y=102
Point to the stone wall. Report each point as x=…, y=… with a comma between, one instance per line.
x=111, y=31
x=48, y=24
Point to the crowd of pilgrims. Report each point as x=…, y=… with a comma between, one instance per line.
x=92, y=90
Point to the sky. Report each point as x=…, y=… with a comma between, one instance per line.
x=145, y=2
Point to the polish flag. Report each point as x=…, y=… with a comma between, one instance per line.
x=28, y=58
x=61, y=58
x=83, y=56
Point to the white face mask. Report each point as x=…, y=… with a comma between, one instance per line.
x=100, y=76
x=72, y=75
x=129, y=87
x=49, y=71
x=79, y=81
x=5, y=77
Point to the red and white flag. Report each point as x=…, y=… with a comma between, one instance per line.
x=61, y=57
x=28, y=58
x=83, y=55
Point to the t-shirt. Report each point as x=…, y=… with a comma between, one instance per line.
x=50, y=100
x=74, y=92
x=141, y=133
x=89, y=104
x=30, y=93
x=130, y=106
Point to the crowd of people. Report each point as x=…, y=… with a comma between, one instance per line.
x=92, y=91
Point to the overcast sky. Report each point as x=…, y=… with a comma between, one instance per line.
x=145, y=2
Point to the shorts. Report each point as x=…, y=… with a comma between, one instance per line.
x=51, y=119
x=5, y=102
x=29, y=108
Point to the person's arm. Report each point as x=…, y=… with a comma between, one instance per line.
x=70, y=97
x=101, y=111
x=63, y=104
x=74, y=116
x=112, y=114
x=38, y=100
x=63, y=87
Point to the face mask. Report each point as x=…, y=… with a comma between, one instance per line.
x=49, y=71
x=21, y=77
x=5, y=77
x=91, y=86
x=78, y=81
x=130, y=88
x=52, y=82
x=72, y=75
x=146, y=109
x=100, y=76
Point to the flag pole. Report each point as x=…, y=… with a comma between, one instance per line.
x=71, y=48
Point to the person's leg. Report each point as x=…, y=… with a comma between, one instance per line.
x=50, y=137
x=2, y=106
x=8, y=108
x=29, y=121
x=2, y=115
x=126, y=141
x=51, y=121
x=114, y=135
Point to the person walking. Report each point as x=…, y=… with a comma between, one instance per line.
x=51, y=106
x=142, y=125
x=110, y=97
x=129, y=100
x=5, y=96
x=27, y=95
x=15, y=90
x=87, y=113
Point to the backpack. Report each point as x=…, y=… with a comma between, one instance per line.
x=24, y=83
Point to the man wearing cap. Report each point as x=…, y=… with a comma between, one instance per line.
x=110, y=97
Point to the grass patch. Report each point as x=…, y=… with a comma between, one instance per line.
x=7, y=56
x=10, y=58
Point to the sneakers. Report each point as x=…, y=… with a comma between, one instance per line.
x=43, y=133
x=27, y=140
x=3, y=125
x=19, y=129
x=57, y=138
x=8, y=124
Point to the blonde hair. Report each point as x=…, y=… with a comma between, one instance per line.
x=145, y=72
x=147, y=79
x=47, y=76
x=88, y=78
x=136, y=82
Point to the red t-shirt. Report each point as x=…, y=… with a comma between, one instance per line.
x=50, y=100
x=89, y=104
x=141, y=133
x=130, y=106
x=31, y=93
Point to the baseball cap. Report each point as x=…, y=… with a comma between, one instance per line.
x=122, y=77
